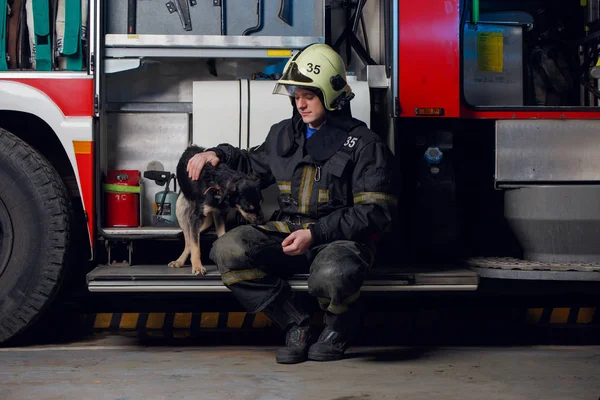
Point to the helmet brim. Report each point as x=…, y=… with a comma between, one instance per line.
x=289, y=89
x=293, y=74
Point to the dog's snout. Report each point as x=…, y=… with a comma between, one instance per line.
x=257, y=218
x=253, y=216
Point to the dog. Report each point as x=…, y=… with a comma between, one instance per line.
x=205, y=202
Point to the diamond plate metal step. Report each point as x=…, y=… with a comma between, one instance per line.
x=514, y=268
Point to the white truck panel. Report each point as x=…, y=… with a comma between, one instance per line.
x=222, y=111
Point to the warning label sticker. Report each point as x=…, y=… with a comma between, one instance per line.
x=490, y=51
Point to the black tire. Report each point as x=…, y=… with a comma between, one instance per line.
x=35, y=215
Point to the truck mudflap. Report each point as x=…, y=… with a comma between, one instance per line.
x=514, y=268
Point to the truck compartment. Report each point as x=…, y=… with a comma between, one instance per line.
x=164, y=88
x=221, y=17
x=148, y=128
x=185, y=73
x=534, y=53
x=56, y=39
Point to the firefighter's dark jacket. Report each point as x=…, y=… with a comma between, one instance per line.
x=338, y=183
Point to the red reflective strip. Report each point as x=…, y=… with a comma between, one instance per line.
x=74, y=96
x=518, y=114
x=85, y=165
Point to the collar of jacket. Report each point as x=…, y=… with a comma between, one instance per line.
x=324, y=143
x=331, y=136
x=290, y=139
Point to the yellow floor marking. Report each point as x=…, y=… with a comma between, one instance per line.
x=560, y=315
x=586, y=315
x=155, y=320
x=129, y=320
x=209, y=320
x=102, y=320
x=261, y=321
x=182, y=320
x=235, y=319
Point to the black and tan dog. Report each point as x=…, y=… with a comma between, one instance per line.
x=208, y=200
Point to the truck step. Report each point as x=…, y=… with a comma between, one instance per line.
x=514, y=268
x=142, y=231
x=160, y=278
x=150, y=232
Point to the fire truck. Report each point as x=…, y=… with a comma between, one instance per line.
x=490, y=107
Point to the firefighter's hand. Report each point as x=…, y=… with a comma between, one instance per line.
x=198, y=162
x=297, y=242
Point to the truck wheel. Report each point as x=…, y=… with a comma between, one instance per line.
x=34, y=234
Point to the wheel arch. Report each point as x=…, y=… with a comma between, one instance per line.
x=38, y=134
x=62, y=134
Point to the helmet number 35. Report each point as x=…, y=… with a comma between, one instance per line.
x=315, y=69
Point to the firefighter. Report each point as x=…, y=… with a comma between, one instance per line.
x=335, y=195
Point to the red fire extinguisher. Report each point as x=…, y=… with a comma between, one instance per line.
x=122, y=195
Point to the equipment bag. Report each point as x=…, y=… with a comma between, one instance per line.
x=15, y=32
x=70, y=30
x=40, y=38
x=4, y=10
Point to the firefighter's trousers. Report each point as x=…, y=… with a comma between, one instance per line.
x=253, y=266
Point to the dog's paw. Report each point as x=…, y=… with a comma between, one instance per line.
x=199, y=270
x=176, y=264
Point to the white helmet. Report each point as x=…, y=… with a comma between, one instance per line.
x=317, y=66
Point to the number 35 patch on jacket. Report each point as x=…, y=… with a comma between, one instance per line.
x=351, y=141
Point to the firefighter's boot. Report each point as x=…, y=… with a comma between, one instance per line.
x=292, y=319
x=336, y=336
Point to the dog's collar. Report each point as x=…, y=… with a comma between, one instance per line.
x=217, y=189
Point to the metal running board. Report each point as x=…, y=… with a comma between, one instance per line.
x=513, y=268
x=162, y=279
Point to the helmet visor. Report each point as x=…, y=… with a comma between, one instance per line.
x=290, y=90
x=293, y=74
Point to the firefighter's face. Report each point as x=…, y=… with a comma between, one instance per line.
x=310, y=107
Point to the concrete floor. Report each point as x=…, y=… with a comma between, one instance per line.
x=119, y=368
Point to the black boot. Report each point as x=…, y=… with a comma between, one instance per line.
x=336, y=337
x=291, y=318
x=297, y=341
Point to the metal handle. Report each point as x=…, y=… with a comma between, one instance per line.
x=285, y=9
x=131, y=16
x=258, y=26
